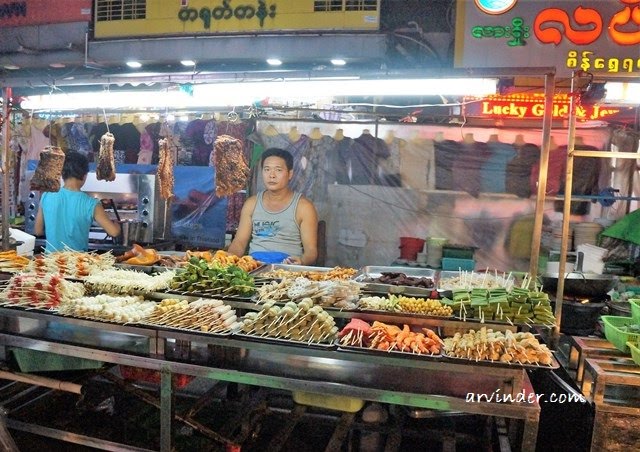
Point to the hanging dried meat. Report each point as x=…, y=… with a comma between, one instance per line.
x=49, y=170
x=165, y=169
x=106, y=166
x=232, y=170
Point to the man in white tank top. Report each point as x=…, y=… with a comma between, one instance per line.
x=278, y=219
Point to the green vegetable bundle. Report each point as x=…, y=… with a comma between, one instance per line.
x=202, y=277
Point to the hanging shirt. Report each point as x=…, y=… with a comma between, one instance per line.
x=276, y=231
x=67, y=219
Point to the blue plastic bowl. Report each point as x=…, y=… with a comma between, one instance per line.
x=269, y=257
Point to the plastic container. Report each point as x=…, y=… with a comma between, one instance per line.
x=332, y=402
x=452, y=264
x=614, y=334
x=28, y=242
x=458, y=252
x=269, y=257
x=635, y=351
x=635, y=310
x=410, y=247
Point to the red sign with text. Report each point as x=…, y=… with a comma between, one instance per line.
x=532, y=107
x=43, y=12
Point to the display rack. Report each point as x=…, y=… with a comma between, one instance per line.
x=418, y=383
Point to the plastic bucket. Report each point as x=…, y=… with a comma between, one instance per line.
x=410, y=247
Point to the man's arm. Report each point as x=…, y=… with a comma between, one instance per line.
x=112, y=228
x=38, y=227
x=238, y=246
x=308, y=216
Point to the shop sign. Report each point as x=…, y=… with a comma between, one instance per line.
x=532, y=107
x=597, y=36
x=40, y=12
x=192, y=17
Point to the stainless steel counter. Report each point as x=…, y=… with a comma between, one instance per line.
x=411, y=381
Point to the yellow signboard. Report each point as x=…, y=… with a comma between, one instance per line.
x=194, y=17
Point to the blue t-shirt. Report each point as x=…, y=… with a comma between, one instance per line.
x=67, y=219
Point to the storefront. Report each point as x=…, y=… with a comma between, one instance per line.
x=483, y=172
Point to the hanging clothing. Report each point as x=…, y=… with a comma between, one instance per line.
x=446, y=153
x=365, y=155
x=493, y=172
x=466, y=168
x=417, y=165
x=390, y=167
x=519, y=170
x=555, y=171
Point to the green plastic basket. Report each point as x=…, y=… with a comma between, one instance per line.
x=635, y=352
x=614, y=334
x=635, y=309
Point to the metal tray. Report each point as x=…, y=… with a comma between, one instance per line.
x=375, y=351
x=209, y=295
x=277, y=340
x=184, y=330
x=266, y=268
x=144, y=268
x=376, y=272
x=554, y=364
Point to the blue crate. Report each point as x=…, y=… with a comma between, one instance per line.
x=454, y=264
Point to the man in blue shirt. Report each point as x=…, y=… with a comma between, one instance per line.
x=66, y=215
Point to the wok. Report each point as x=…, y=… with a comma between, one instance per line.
x=579, y=284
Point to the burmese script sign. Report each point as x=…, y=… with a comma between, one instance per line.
x=597, y=36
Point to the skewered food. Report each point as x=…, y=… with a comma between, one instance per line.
x=106, y=165
x=300, y=322
x=314, y=275
x=381, y=336
x=507, y=347
x=49, y=170
x=212, y=316
x=204, y=277
x=231, y=168
x=121, y=281
x=11, y=261
x=165, y=169
x=112, y=308
x=40, y=291
x=73, y=264
x=336, y=293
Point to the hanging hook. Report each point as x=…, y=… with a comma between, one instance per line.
x=232, y=116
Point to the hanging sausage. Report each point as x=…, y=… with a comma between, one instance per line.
x=106, y=166
x=49, y=170
x=231, y=168
x=165, y=169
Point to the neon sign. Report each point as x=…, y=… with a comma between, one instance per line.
x=532, y=107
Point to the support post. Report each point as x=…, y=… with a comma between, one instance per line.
x=6, y=167
x=549, y=85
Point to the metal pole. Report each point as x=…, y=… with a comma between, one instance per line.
x=6, y=171
x=566, y=213
x=549, y=85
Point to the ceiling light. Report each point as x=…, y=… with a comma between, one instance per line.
x=274, y=62
x=188, y=63
x=134, y=64
x=338, y=62
x=245, y=93
x=11, y=67
x=57, y=65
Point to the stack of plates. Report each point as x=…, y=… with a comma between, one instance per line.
x=434, y=251
x=586, y=233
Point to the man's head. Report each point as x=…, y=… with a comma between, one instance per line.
x=76, y=165
x=277, y=152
